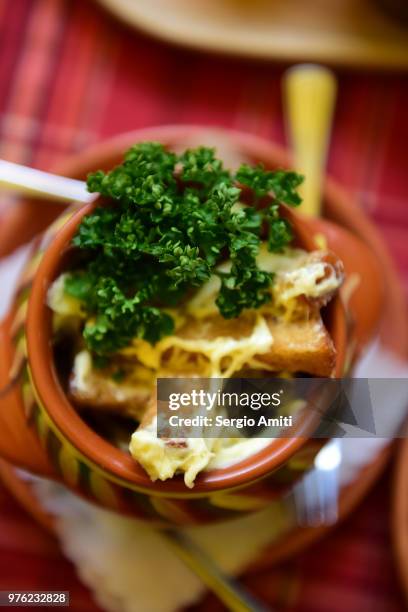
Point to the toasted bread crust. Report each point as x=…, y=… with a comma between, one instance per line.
x=301, y=346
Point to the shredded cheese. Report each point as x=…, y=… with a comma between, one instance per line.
x=215, y=351
x=162, y=461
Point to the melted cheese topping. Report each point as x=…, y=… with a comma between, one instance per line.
x=308, y=280
x=217, y=351
x=162, y=459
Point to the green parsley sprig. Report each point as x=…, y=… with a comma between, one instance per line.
x=170, y=220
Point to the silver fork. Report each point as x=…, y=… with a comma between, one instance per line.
x=316, y=496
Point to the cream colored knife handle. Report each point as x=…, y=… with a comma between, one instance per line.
x=36, y=183
x=309, y=95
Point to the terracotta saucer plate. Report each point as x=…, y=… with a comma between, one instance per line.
x=20, y=223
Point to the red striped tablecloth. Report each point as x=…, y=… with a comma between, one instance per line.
x=71, y=76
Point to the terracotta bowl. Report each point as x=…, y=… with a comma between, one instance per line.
x=43, y=432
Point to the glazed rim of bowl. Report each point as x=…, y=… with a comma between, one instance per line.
x=99, y=451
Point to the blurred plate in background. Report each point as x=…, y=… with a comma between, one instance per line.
x=347, y=32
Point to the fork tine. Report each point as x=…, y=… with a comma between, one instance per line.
x=316, y=495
